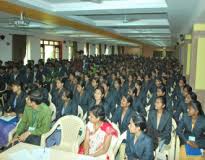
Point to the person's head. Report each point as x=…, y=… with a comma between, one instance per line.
x=106, y=86
x=126, y=101
x=130, y=78
x=158, y=81
x=113, y=76
x=86, y=77
x=160, y=103
x=147, y=77
x=195, y=109
x=99, y=93
x=182, y=82
x=161, y=91
x=131, y=92
x=138, y=84
x=80, y=86
x=16, y=87
x=71, y=77
x=34, y=98
x=67, y=95
x=137, y=124
x=95, y=82
x=15, y=69
x=187, y=90
x=59, y=83
x=122, y=78
x=190, y=97
x=28, y=70
x=117, y=83
x=97, y=114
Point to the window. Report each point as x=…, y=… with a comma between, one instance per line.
x=50, y=49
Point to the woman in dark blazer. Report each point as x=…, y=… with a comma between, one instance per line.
x=69, y=106
x=57, y=92
x=160, y=123
x=191, y=128
x=82, y=96
x=123, y=113
x=137, y=102
x=138, y=144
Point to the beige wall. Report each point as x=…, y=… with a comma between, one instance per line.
x=148, y=50
x=133, y=50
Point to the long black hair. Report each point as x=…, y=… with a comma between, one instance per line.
x=139, y=121
x=197, y=106
x=99, y=112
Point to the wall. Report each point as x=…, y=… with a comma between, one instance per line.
x=92, y=49
x=133, y=50
x=6, y=47
x=81, y=46
x=200, y=78
x=148, y=50
x=115, y=50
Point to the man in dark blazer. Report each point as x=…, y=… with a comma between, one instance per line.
x=16, y=102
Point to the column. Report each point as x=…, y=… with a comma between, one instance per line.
x=197, y=73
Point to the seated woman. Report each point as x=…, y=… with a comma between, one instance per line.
x=137, y=103
x=68, y=105
x=99, y=133
x=160, y=123
x=82, y=97
x=138, y=144
x=191, y=128
x=99, y=99
x=14, y=107
x=123, y=113
x=57, y=93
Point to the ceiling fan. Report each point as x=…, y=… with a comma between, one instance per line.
x=126, y=20
x=93, y=1
x=20, y=21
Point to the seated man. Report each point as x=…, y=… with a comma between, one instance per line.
x=36, y=120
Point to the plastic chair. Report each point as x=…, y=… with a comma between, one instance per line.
x=2, y=93
x=49, y=97
x=12, y=132
x=170, y=151
x=85, y=117
x=53, y=109
x=72, y=133
x=119, y=142
x=80, y=112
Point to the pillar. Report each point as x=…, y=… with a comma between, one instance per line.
x=197, y=73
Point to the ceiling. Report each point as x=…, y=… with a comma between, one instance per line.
x=155, y=22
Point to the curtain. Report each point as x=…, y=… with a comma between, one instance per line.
x=75, y=49
x=87, y=49
x=18, y=47
x=113, y=50
x=118, y=50
x=100, y=49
